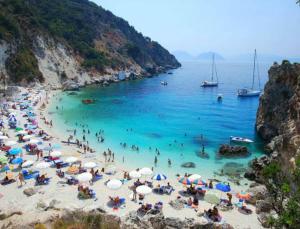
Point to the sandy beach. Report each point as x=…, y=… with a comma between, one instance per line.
x=64, y=196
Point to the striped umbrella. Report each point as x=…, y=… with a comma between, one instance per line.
x=184, y=180
x=243, y=196
x=159, y=176
x=198, y=182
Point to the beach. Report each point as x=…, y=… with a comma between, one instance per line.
x=64, y=196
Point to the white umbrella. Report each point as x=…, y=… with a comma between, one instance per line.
x=71, y=159
x=135, y=174
x=42, y=165
x=11, y=143
x=55, y=154
x=3, y=137
x=33, y=141
x=22, y=132
x=26, y=137
x=114, y=184
x=146, y=171
x=84, y=177
x=194, y=177
x=27, y=164
x=89, y=165
x=143, y=189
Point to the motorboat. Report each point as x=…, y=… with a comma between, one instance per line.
x=165, y=83
x=214, y=74
x=240, y=140
x=251, y=92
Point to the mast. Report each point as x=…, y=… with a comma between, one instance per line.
x=254, y=65
x=213, y=67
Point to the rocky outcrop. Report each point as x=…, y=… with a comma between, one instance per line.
x=278, y=115
x=188, y=165
x=233, y=151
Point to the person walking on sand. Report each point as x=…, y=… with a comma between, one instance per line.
x=134, y=193
x=155, y=160
x=21, y=179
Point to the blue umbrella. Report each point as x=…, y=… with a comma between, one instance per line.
x=15, y=151
x=159, y=176
x=17, y=161
x=223, y=187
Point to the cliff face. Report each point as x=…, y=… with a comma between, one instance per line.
x=278, y=116
x=43, y=39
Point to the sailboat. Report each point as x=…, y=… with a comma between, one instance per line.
x=251, y=92
x=211, y=83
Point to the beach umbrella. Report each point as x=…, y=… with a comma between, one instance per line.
x=243, y=195
x=89, y=165
x=194, y=177
x=159, y=176
x=73, y=170
x=27, y=164
x=6, y=168
x=15, y=151
x=146, y=171
x=212, y=198
x=71, y=159
x=10, y=143
x=19, y=129
x=143, y=189
x=84, y=177
x=184, y=180
x=55, y=154
x=17, y=161
x=114, y=184
x=42, y=165
x=135, y=174
x=198, y=182
x=22, y=132
x=3, y=159
x=27, y=137
x=3, y=137
x=34, y=141
x=223, y=187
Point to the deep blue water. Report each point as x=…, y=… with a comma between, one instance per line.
x=158, y=115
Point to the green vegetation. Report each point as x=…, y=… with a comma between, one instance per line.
x=78, y=24
x=285, y=193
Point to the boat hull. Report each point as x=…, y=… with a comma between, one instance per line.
x=209, y=84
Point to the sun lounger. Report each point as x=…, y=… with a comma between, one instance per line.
x=29, y=175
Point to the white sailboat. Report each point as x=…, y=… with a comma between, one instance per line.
x=212, y=83
x=251, y=92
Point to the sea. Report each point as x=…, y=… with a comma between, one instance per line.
x=179, y=120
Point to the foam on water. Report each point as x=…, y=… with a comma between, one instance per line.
x=158, y=115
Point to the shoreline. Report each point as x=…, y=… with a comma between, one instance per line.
x=66, y=197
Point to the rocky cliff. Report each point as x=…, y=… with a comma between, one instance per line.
x=51, y=41
x=278, y=114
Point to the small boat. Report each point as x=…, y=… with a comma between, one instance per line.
x=220, y=97
x=211, y=82
x=240, y=140
x=251, y=92
x=165, y=83
x=88, y=101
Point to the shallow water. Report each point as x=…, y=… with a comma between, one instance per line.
x=147, y=114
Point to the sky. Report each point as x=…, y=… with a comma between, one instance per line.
x=229, y=27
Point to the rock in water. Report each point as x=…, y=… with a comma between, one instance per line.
x=29, y=191
x=233, y=151
x=188, y=165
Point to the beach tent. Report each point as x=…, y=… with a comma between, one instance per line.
x=15, y=151
x=146, y=171
x=114, y=184
x=135, y=174
x=159, y=177
x=223, y=187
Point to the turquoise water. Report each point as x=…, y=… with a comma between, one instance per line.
x=158, y=115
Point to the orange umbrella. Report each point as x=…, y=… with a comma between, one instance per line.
x=73, y=170
x=243, y=196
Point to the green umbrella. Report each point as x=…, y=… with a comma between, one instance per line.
x=3, y=159
x=212, y=198
x=19, y=129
